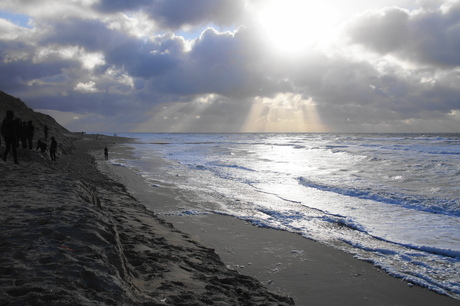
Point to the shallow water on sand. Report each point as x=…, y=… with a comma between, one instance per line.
x=392, y=199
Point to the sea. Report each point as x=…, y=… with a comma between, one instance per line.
x=389, y=199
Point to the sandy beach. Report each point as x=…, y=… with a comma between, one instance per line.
x=286, y=263
x=72, y=236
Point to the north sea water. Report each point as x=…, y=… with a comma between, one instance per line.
x=390, y=199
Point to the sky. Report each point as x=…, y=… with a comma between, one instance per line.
x=235, y=65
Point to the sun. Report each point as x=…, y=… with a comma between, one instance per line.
x=294, y=25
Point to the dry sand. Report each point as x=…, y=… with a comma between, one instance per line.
x=309, y=272
x=69, y=235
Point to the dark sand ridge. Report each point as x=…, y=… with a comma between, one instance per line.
x=69, y=235
x=309, y=272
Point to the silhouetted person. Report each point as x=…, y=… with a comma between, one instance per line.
x=106, y=153
x=42, y=146
x=30, y=134
x=9, y=135
x=53, y=148
x=45, y=129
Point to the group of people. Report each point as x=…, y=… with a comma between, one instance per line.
x=16, y=132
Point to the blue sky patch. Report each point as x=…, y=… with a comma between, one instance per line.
x=18, y=19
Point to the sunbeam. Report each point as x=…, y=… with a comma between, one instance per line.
x=285, y=112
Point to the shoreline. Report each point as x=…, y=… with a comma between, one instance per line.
x=307, y=271
x=72, y=236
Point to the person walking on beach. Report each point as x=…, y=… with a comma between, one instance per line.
x=53, y=148
x=9, y=135
x=106, y=153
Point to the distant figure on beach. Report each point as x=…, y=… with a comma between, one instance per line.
x=106, y=153
x=42, y=146
x=45, y=129
x=9, y=135
x=30, y=134
x=53, y=148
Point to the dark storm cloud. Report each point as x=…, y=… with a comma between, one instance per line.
x=93, y=35
x=23, y=71
x=230, y=64
x=382, y=31
x=112, y=6
x=215, y=64
x=103, y=103
x=423, y=36
x=173, y=14
x=17, y=65
x=141, y=59
x=391, y=99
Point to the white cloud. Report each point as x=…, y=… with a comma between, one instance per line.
x=10, y=31
x=138, y=24
x=425, y=37
x=91, y=60
x=50, y=9
x=86, y=87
